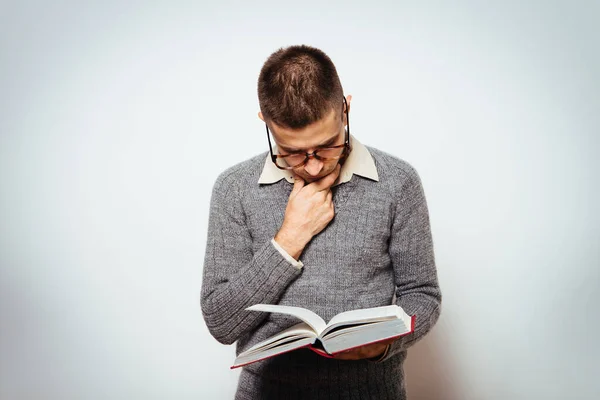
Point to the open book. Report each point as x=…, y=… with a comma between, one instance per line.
x=345, y=331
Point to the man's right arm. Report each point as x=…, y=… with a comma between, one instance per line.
x=234, y=278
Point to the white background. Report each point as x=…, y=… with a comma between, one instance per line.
x=116, y=119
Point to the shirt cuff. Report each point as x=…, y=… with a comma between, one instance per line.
x=290, y=259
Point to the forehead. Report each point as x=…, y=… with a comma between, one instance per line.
x=310, y=136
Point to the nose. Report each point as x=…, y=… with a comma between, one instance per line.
x=313, y=166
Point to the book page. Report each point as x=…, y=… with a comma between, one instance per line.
x=301, y=330
x=366, y=315
x=361, y=336
x=248, y=358
x=312, y=319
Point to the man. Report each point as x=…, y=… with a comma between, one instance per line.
x=321, y=222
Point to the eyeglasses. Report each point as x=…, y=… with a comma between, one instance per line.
x=299, y=159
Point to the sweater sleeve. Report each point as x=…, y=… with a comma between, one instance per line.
x=415, y=275
x=235, y=277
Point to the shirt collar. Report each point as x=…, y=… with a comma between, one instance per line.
x=359, y=162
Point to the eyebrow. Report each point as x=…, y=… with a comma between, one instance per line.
x=323, y=144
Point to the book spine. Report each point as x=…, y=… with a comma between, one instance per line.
x=320, y=352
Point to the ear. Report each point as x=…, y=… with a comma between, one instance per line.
x=348, y=100
x=261, y=116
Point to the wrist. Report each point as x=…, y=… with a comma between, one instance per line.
x=291, y=242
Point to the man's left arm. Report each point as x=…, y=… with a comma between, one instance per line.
x=415, y=275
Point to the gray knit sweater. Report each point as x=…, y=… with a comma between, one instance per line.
x=378, y=247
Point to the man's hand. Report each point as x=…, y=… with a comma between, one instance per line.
x=369, y=351
x=308, y=212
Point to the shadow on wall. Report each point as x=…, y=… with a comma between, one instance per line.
x=429, y=370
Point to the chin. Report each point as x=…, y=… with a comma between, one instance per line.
x=309, y=179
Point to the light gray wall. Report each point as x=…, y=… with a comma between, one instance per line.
x=116, y=119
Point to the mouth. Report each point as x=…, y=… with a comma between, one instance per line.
x=309, y=178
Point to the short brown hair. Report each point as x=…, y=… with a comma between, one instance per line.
x=297, y=86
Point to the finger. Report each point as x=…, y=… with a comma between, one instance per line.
x=360, y=353
x=347, y=355
x=298, y=184
x=386, y=342
x=328, y=180
x=329, y=197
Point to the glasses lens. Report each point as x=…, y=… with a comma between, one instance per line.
x=291, y=160
x=330, y=153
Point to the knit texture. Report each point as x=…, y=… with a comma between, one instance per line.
x=377, y=249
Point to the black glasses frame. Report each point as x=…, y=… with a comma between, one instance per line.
x=314, y=154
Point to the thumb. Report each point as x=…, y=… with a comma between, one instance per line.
x=298, y=184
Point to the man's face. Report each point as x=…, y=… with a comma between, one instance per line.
x=329, y=131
